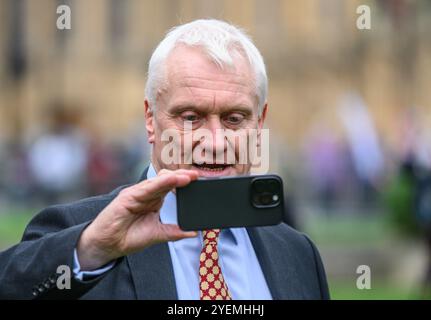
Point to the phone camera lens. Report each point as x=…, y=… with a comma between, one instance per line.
x=266, y=198
x=266, y=192
x=273, y=186
x=259, y=186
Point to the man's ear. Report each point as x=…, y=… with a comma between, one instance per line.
x=260, y=123
x=262, y=116
x=149, y=121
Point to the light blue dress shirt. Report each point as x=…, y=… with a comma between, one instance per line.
x=237, y=259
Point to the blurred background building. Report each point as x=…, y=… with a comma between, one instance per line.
x=349, y=117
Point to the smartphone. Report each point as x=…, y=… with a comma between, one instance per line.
x=227, y=202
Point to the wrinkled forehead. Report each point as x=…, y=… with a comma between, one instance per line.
x=186, y=63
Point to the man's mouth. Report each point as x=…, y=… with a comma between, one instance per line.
x=212, y=167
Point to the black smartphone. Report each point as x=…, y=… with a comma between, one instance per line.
x=225, y=202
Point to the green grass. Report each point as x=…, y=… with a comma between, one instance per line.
x=347, y=230
x=342, y=290
x=12, y=225
x=358, y=231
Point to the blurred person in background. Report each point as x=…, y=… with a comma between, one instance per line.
x=58, y=158
x=423, y=213
x=408, y=194
x=416, y=157
x=364, y=145
x=325, y=165
x=103, y=167
x=16, y=182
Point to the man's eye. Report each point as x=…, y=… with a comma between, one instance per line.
x=234, y=118
x=190, y=117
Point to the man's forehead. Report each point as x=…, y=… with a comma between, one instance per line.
x=186, y=63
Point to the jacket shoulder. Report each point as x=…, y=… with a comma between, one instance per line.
x=88, y=208
x=60, y=216
x=296, y=242
x=286, y=234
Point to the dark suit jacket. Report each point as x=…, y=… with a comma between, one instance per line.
x=290, y=262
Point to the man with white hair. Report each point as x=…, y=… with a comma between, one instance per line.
x=206, y=74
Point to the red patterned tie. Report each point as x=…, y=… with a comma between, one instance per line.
x=211, y=281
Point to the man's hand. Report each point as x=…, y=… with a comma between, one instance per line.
x=131, y=222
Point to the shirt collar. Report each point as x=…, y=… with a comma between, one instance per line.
x=168, y=212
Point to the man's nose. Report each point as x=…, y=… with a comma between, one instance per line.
x=217, y=139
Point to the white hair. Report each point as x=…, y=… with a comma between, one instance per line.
x=219, y=40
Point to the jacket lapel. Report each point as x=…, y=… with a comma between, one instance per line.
x=277, y=266
x=153, y=274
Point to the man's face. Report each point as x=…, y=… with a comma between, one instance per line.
x=200, y=96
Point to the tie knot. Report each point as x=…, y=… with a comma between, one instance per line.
x=210, y=236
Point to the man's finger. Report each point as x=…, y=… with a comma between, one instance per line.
x=190, y=173
x=179, y=171
x=172, y=232
x=162, y=185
